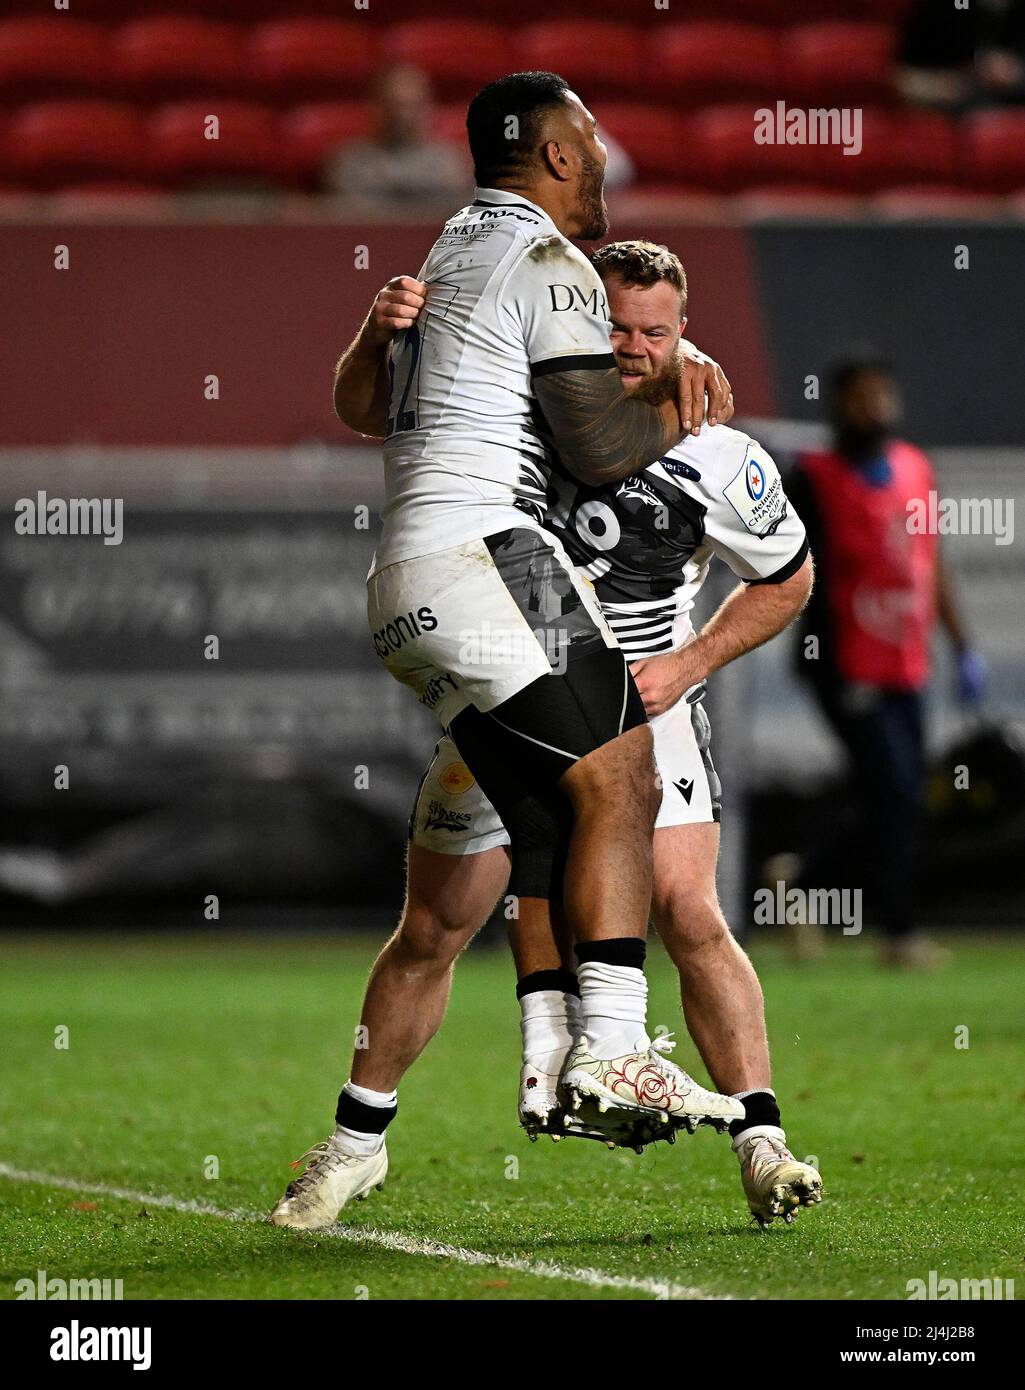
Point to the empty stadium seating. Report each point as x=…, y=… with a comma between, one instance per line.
x=120, y=101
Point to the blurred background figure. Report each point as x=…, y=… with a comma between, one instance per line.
x=403, y=161
x=960, y=57
x=864, y=643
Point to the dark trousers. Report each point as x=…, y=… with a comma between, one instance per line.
x=883, y=733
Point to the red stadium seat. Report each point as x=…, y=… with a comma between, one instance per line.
x=53, y=56
x=249, y=143
x=49, y=143
x=653, y=136
x=311, y=133
x=311, y=57
x=838, y=61
x=898, y=147
x=715, y=62
x=721, y=152
x=594, y=56
x=459, y=55
x=994, y=149
x=163, y=57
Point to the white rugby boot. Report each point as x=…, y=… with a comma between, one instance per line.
x=646, y=1082
x=332, y=1177
x=550, y=1025
x=775, y=1182
x=540, y=1107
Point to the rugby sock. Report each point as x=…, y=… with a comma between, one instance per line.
x=550, y=1021
x=761, y=1115
x=362, y=1117
x=613, y=996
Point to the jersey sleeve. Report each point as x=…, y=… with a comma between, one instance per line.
x=750, y=522
x=558, y=302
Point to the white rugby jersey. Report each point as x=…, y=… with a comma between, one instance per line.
x=509, y=298
x=646, y=543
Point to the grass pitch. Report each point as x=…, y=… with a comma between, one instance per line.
x=193, y=1056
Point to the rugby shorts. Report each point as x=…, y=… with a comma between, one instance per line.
x=472, y=630
x=452, y=815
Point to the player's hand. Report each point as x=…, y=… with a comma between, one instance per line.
x=662, y=680
x=396, y=308
x=698, y=377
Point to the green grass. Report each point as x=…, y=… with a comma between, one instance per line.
x=233, y=1047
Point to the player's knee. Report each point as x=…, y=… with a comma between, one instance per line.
x=430, y=934
x=621, y=775
x=689, y=922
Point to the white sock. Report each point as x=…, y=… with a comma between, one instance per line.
x=550, y=1024
x=358, y=1142
x=614, y=1006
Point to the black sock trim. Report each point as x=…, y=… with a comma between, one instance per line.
x=618, y=950
x=760, y=1108
x=364, y=1119
x=538, y=980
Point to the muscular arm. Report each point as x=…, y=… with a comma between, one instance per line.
x=747, y=617
x=361, y=375
x=361, y=386
x=602, y=434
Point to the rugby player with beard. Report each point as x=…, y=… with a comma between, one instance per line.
x=646, y=544
x=507, y=368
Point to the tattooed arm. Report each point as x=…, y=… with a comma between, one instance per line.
x=601, y=433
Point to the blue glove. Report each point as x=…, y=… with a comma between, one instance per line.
x=972, y=676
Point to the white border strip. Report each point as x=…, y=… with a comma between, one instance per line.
x=384, y=1240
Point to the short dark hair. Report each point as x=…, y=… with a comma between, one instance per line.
x=855, y=366
x=642, y=263
x=525, y=95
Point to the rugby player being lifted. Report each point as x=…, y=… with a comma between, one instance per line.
x=523, y=733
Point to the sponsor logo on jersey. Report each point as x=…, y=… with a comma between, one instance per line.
x=402, y=629
x=508, y=212
x=435, y=688
x=439, y=817
x=638, y=488
x=571, y=298
x=756, y=494
x=457, y=779
x=755, y=481
x=680, y=469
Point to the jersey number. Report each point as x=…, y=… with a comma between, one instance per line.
x=404, y=370
x=404, y=365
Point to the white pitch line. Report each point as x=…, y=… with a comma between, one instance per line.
x=383, y=1240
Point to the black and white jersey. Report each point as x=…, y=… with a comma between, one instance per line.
x=509, y=298
x=646, y=543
